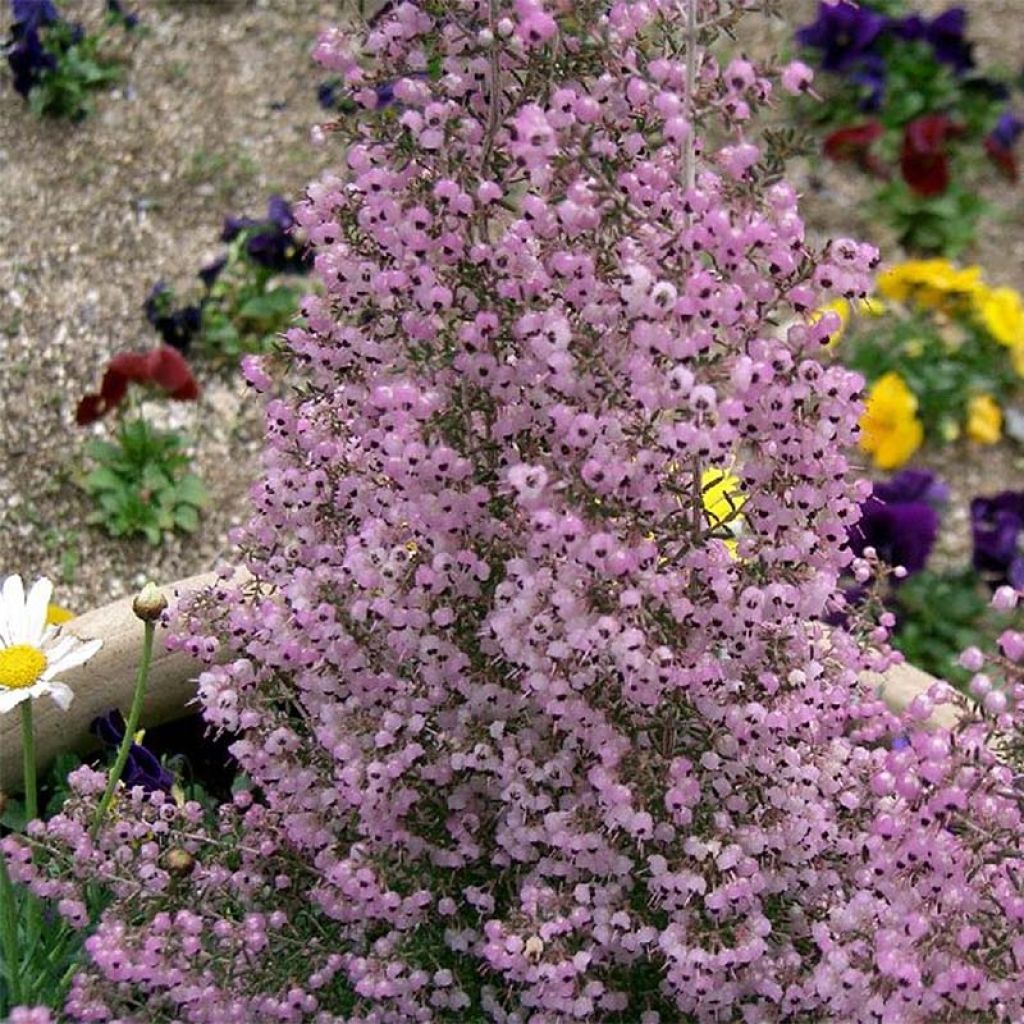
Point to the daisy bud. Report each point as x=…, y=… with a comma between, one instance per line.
x=150, y=603
x=179, y=863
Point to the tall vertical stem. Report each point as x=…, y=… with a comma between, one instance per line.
x=130, y=728
x=692, y=62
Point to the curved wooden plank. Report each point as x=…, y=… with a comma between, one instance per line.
x=107, y=682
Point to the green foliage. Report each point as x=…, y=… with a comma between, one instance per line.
x=945, y=359
x=142, y=483
x=939, y=615
x=944, y=225
x=82, y=68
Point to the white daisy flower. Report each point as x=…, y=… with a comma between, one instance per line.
x=33, y=653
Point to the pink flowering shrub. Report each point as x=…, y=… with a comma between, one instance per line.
x=534, y=735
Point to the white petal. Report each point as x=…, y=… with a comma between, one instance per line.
x=61, y=693
x=54, y=653
x=10, y=699
x=14, y=606
x=77, y=655
x=35, y=610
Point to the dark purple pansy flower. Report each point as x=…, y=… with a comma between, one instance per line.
x=270, y=242
x=31, y=15
x=177, y=327
x=844, y=33
x=142, y=768
x=902, y=534
x=28, y=60
x=900, y=520
x=996, y=527
x=946, y=35
x=912, y=485
x=209, y=274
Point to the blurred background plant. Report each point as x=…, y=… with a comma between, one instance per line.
x=249, y=295
x=57, y=64
x=141, y=480
x=942, y=352
x=902, y=93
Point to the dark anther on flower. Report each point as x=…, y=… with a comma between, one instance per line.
x=142, y=768
x=996, y=526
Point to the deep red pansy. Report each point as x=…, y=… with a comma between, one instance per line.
x=854, y=144
x=924, y=162
x=163, y=368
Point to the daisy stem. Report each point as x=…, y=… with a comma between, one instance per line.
x=33, y=911
x=130, y=728
x=28, y=749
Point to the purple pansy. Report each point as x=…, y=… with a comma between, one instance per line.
x=945, y=33
x=270, y=242
x=912, y=485
x=31, y=15
x=996, y=526
x=900, y=520
x=142, y=768
x=177, y=327
x=844, y=33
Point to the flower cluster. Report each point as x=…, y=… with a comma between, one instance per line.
x=55, y=64
x=534, y=733
x=997, y=525
x=244, y=305
x=943, y=353
x=915, y=77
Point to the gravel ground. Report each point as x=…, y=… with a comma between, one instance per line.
x=213, y=116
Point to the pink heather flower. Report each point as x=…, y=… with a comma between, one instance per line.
x=532, y=684
x=796, y=78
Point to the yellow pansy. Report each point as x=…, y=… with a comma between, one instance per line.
x=723, y=498
x=984, y=420
x=57, y=616
x=889, y=429
x=930, y=283
x=1002, y=312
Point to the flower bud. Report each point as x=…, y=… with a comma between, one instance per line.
x=149, y=603
x=179, y=863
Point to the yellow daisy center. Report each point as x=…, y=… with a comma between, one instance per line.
x=21, y=666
